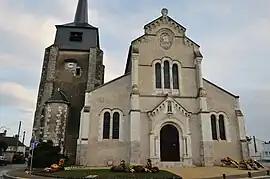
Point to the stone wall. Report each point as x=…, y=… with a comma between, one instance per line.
x=221, y=102
x=56, y=115
x=112, y=96
x=45, y=86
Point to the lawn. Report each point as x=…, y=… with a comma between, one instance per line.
x=107, y=174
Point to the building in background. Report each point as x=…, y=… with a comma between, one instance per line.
x=259, y=149
x=266, y=152
x=14, y=146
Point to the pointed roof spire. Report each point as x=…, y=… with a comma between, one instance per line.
x=81, y=15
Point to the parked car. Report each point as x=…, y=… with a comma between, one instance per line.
x=3, y=160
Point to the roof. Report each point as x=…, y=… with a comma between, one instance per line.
x=11, y=141
x=58, y=97
x=109, y=82
x=229, y=93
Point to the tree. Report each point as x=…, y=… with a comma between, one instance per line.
x=3, y=146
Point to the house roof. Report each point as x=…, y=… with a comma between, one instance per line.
x=11, y=141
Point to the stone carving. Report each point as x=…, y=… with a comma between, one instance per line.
x=166, y=37
x=135, y=89
x=202, y=92
x=164, y=12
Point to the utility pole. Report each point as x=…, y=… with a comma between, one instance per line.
x=23, y=137
x=18, y=135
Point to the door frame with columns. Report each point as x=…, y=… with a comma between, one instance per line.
x=184, y=142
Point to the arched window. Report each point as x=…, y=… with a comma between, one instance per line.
x=116, y=120
x=158, y=75
x=106, y=125
x=175, y=76
x=214, y=127
x=221, y=127
x=166, y=75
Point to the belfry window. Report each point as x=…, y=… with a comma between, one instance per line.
x=76, y=36
x=166, y=75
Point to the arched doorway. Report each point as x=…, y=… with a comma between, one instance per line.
x=169, y=144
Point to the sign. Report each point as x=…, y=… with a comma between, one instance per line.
x=34, y=145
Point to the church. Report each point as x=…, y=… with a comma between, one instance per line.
x=161, y=108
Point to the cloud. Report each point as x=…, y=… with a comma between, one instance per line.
x=16, y=96
x=233, y=35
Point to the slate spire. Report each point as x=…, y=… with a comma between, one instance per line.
x=81, y=15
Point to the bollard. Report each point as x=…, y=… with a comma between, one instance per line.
x=267, y=172
x=249, y=175
x=224, y=176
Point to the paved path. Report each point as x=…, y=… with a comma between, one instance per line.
x=5, y=169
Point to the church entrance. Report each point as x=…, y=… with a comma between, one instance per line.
x=169, y=144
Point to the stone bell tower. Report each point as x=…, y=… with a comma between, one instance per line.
x=73, y=64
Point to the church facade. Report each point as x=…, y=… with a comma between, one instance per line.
x=161, y=108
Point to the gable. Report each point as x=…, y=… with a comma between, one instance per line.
x=174, y=108
x=165, y=22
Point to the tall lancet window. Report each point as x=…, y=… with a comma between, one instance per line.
x=175, y=76
x=221, y=127
x=106, y=125
x=166, y=75
x=214, y=127
x=158, y=75
x=116, y=120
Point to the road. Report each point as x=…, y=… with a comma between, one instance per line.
x=5, y=169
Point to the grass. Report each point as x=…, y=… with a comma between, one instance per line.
x=107, y=174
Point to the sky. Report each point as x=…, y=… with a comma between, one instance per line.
x=233, y=35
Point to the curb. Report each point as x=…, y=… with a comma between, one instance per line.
x=6, y=176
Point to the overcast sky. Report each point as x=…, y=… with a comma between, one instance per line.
x=234, y=37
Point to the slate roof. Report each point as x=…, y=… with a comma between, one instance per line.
x=58, y=97
x=11, y=141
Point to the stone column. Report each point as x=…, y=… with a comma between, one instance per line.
x=135, y=150
x=171, y=76
x=162, y=77
x=152, y=145
x=204, y=117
